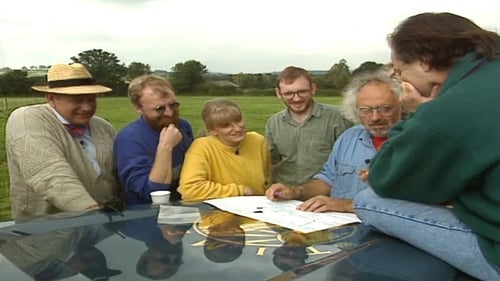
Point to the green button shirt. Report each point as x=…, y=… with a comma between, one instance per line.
x=299, y=151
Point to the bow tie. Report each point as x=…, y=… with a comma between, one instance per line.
x=75, y=130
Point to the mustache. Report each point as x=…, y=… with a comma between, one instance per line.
x=175, y=119
x=378, y=123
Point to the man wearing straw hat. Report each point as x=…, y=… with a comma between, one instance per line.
x=59, y=154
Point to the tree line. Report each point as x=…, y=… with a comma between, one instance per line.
x=189, y=77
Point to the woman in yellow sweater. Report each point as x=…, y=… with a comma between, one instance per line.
x=228, y=162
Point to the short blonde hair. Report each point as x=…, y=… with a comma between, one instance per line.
x=157, y=83
x=220, y=113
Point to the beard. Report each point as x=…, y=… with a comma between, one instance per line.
x=381, y=129
x=170, y=120
x=299, y=107
x=379, y=133
x=159, y=122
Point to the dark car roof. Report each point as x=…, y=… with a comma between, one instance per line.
x=218, y=246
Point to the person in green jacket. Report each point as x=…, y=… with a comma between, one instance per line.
x=436, y=180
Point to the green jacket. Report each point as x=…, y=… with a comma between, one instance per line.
x=449, y=150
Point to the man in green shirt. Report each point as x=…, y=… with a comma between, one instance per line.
x=301, y=137
x=436, y=180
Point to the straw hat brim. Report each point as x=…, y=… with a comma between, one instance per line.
x=74, y=90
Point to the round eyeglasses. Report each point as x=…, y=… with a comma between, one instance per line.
x=160, y=109
x=384, y=110
x=300, y=93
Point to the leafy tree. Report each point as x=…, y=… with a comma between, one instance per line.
x=259, y=82
x=105, y=68
x=15, y=83
x=270, y=80
x=255, y=81
x=366, y=66
x=339, y=75
x=321, y=81
x=242, y=79
x=136, y=69
x=187, y=75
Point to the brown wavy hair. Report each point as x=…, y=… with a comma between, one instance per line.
x=292, y=73
x=440, y=39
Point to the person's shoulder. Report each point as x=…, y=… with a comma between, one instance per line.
x=277, y=115
x=183, y=123
x=131, y=130
x=102, y=122
x=102, y=125
x=202, y=144
x=331, y=114
x=185, y=126
x=276, y=120
x=202, y=141
x=31, y=108
x=18, y=112
x=29, y=112
x=329, y=108
x=254, y=136
x=131, y=125
x=355, y=130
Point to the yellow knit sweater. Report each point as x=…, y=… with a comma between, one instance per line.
x=212, y=169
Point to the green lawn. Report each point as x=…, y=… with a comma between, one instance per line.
x=119, y=112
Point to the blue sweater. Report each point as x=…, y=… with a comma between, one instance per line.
x=134, y=153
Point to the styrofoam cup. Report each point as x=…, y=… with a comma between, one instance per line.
x=160, y=197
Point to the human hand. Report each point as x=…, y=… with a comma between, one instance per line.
x=113, y=204
x=279, y=191
x=169, y=137
x=93, y=207
x=247, y=191
x=363, y=175
x=322, y=203
x=411, y=98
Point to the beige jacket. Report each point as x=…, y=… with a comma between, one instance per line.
x=49, y=171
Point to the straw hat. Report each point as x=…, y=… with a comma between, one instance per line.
x=70, y=79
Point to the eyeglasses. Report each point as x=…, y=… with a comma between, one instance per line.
x=384, y=110
x=300, y=93
x=160, y=109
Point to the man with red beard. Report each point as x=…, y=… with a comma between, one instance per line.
x=373, y=100
x=301, y=137
x=149, y=152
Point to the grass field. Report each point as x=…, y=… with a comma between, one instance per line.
x=119, y=112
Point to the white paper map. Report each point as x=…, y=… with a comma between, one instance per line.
x=282, y=213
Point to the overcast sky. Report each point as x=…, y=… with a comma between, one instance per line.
x=225, y=35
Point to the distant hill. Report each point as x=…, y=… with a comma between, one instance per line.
x=31, y=73
x=36, y=73
x=313, y=72
x=164, y=73
x=318, y=72
x=160, y=72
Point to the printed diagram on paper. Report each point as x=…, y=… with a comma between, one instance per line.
x=282, y=213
